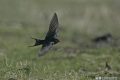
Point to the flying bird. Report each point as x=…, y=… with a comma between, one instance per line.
x=51, y=37
x=107, y=66
x=105, y=38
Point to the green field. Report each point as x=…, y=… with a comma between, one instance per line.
x=76, y=57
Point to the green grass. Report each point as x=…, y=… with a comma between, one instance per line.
x=75, y=57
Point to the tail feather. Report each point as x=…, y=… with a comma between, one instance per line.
x=37, y=42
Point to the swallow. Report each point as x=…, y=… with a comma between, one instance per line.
x=107, y=66
x=104, y=38
x=51, y=37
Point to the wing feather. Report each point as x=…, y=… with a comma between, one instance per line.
x=53, y=28
x=45, y=48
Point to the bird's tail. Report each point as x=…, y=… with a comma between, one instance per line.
x=37, y=42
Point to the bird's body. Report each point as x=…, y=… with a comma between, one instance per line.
x=51, y=37
x=43, y=42
x=107, y=66
x=105, y=38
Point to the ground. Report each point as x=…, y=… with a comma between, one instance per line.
x=76, y=57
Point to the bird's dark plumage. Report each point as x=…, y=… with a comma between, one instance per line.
x=104, y=38
x=53, y=28
x=107, y=66
x=51, y=37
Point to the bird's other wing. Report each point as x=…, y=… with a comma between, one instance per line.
x=53, y=27
x=45, y=48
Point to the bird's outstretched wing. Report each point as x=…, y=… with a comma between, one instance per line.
x=45, y=49
x=53, y=28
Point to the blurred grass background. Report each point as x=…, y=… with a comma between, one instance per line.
x=75, y=57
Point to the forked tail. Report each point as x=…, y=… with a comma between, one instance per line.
x=37, y=42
